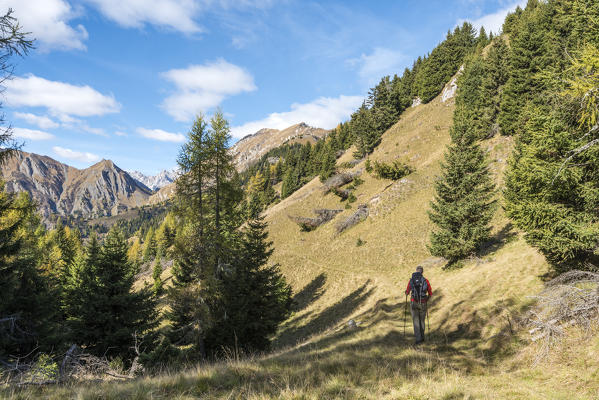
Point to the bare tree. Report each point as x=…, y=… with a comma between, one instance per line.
x=13, y=42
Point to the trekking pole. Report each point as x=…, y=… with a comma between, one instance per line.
x=428, y=321
x=405, y=315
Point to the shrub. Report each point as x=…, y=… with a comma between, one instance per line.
x=394, y=171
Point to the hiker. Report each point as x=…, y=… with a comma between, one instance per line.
x=421, y=291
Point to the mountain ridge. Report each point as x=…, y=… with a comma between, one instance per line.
x=58, y=188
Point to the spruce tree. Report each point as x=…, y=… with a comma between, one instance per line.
x=552, y=183
x=156, y=273
x=150, y=246
x=329, y=163
x=463, y=204
x=113, y=312
x=256, y=297
x=78, y=292
x=28, y=306
x=209, y=204
x=364, y=130
x=529, y=54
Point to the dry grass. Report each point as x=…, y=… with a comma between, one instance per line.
x=474, y=350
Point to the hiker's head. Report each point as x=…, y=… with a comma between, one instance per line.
x=419, y=269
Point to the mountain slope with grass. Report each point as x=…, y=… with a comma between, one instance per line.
x=476, y=347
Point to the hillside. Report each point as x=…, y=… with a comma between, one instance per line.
x=101, y=189
x=475, y=349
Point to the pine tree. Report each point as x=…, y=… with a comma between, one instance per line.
x=364, y=130
x=329, y=163
x=256, y=296
x=551, y=183
x=209, y=204
x=156, y=273
x=28, y=307
x=113, y=312
x=78, y=292
x=463, y=204
x=529, y=54
x=149, y=246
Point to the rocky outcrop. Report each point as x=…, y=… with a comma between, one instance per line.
x=308, y=224
x=450, y=90
x=57, y=188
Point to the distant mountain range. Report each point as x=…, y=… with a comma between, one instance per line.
x=155, y=182
x=106, y=189
x=61, y=189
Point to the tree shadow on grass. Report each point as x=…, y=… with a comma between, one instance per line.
x=347, y=361
x=500, y=239
x=310, y=293
x=326, y=319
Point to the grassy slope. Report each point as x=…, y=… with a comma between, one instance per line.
x=470, y=353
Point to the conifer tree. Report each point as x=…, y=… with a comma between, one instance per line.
x=463, y=204
x=150, y=246
x=209, y=204
x=113, y=312
x=291, y=182
x=78, y=291
x=528, y=56
x=28, y=307
x=551, y=183
x=329, y=163
x=256, y=296
x=364, y=130
x=156, y=273
x=134, y=253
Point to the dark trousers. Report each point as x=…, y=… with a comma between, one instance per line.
x=418, y=317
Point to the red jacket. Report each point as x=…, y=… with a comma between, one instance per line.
x=428, y=289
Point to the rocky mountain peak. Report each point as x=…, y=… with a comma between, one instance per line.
x=101, y=189
x=249, y=149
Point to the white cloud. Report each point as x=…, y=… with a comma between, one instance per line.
x=372, y=67
x=173, y=14
x=324, y=112
x=75, y=155
x=31, y=134
x=494, y=21
x=177, y=15
x=159, y=134
x=48, y=21
x=61, y=99
x=120, y=133
x=201, y=87
x=39, y=120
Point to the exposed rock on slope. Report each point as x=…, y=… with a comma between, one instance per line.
x=58, y=188
x=249, y=149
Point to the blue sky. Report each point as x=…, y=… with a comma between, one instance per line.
x=123, y=79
